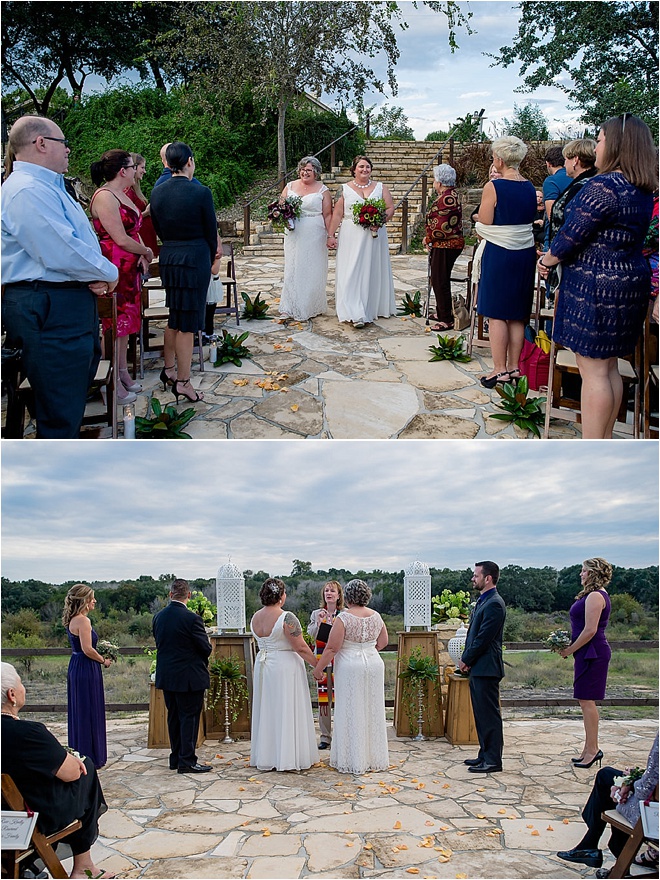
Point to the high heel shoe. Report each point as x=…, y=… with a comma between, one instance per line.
x=165, y=379
x=124, y=396
x=597, y=757
x=128, y=383
x=491, y=381
x=176, y=390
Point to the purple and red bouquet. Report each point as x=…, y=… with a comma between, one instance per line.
x=284, y=213
x=370, y=214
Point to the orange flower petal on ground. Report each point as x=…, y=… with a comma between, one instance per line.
x=295, y=408
x=412, y=870
x=535, y=834
x=397, y=825
x=549, y=828
x=564, y=821
x=501, y=812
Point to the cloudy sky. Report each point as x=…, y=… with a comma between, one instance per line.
x=436, y=86
x=108, y=510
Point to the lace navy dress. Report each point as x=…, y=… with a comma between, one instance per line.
x=606, y=281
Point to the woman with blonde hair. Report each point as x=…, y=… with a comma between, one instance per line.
x=506, y=262
x=590, y=614
x=319, y=627
x=86, y=700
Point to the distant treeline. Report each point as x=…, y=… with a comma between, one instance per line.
x=541, y=590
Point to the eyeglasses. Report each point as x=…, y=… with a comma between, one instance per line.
x=47, y=138
x=129, y=166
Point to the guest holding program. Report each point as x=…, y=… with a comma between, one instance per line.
x=182, y=673
x=506, y=259
x=359, y=744
x=590, y=614
x=184, y=218
x=52, y=272
x=605, y=279
x=61, y=787
x=364, y=288
x=482, y=658
x=445, y=242
x=305, y=247
x=283, y=735
x=117, y=223
x=84, y=682
x=319, y=627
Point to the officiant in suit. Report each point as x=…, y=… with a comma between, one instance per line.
x=182, y=673
x=482, y=658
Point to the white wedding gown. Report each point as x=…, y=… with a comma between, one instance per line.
x=364, y=284
x=306, y=261
x=283, y=735
x=359, y=742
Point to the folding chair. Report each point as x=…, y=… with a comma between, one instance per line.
x=636, y=838
x=230, y=285
x=41, y=845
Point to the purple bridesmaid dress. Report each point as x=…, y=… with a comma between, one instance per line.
x=86, y=704
x=592, y=659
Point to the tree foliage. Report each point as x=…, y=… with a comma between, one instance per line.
x=391, y=124
x=604, y=56
x=528, y=123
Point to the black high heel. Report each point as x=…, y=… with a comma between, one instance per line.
x=597, y=757
x=165, y=379
x=177, y=393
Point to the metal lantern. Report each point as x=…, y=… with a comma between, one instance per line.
x=230, y=597
x=417, y=596
x=456, y=646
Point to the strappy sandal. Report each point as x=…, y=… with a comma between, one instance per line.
x=176, y=390
x=442, y=325
x=644, y=861
x=492, y=381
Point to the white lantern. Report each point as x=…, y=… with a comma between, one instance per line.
x=230, y=598
x=456, y=645
x=417, y=596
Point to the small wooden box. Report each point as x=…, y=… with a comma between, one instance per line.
x=158, y=737
x=459, y=721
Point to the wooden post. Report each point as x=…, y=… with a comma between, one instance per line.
x=403, y=722
x=225, y=644
x=404, y=226
x=333, y=156
x=425, y=186
x=157, y=735
x=367, y=127
x=246, y=225
x=460, y=729
x=451, y=151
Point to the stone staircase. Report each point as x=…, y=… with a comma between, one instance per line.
x=396, y=164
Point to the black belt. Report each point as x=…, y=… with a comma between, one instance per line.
x=48, y=285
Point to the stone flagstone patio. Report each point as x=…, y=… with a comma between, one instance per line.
x=426, y=816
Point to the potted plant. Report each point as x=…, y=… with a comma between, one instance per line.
x=199, y=604
x=451, y=607
x=229, y=683
x=420, y=675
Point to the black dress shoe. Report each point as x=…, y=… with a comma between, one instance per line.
x=195, y=768
x=591, y=857
x=473, y=762
x=485, y=768
x=324, y=745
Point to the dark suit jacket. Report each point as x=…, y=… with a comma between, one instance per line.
x=183, y=649
x=483, y=644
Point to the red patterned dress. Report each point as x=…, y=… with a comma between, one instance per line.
x=129, y=286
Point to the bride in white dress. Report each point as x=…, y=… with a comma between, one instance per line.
x=359, y=743
x=283, y=736
x=364, y=287
x=305, y=247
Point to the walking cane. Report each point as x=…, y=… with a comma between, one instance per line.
x=427, y=308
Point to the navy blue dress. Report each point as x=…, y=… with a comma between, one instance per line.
x=606, y=280
x=507, y=280
x=86, y=704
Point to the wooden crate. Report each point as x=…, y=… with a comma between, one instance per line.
x=459, y=723
x=225, y=644
x=158, y=737
x=428, y=642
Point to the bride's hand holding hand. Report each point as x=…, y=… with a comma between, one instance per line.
x=319, y=672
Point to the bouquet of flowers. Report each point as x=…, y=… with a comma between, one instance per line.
x=199, y=604
x=108, y=649
x=631, y=777
x=370, y=214
x=284, y=213
x=558, y=640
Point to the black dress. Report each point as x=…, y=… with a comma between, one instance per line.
x=184, y=218
x=32, y=756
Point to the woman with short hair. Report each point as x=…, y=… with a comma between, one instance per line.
x=358, y=634
x=444, y=241
x=605, y=278
x=505, y=262
x=304, y=292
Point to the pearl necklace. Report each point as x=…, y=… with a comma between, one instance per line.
x=362, y=185
x=11, y=715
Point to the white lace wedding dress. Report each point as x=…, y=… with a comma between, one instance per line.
x=306, y=261
x=364, y=285
x=359, y=742
x=283, y=735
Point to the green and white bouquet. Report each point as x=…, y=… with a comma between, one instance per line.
x=558, y=640
x=108, y=649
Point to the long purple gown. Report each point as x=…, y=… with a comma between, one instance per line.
x=86, y=703
x=592, y=659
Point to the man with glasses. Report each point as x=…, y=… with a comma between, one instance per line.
x=52, y=270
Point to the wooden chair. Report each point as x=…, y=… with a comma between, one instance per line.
x=230, y=285
x=41, y=845
x=636, y=838
x=650, y=378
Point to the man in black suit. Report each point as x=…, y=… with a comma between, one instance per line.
x=482, y=658
x=182, y=672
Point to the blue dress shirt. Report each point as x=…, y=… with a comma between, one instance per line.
x=46, y=235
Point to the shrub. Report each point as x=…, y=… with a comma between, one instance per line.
x=25, y=622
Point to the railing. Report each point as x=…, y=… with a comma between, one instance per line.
x=282, y=180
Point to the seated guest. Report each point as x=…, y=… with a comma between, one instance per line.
x=58, y=785
x=608, y=795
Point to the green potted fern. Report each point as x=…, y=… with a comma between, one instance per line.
x=420, y=675
x=525, y=412
x=229, y=683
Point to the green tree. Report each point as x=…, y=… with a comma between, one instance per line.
x=604, y=56
x=300, y=568
x=437, y=135
x=391, y=124
x=467, y=129
x=531, y=589
x=528, y=123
